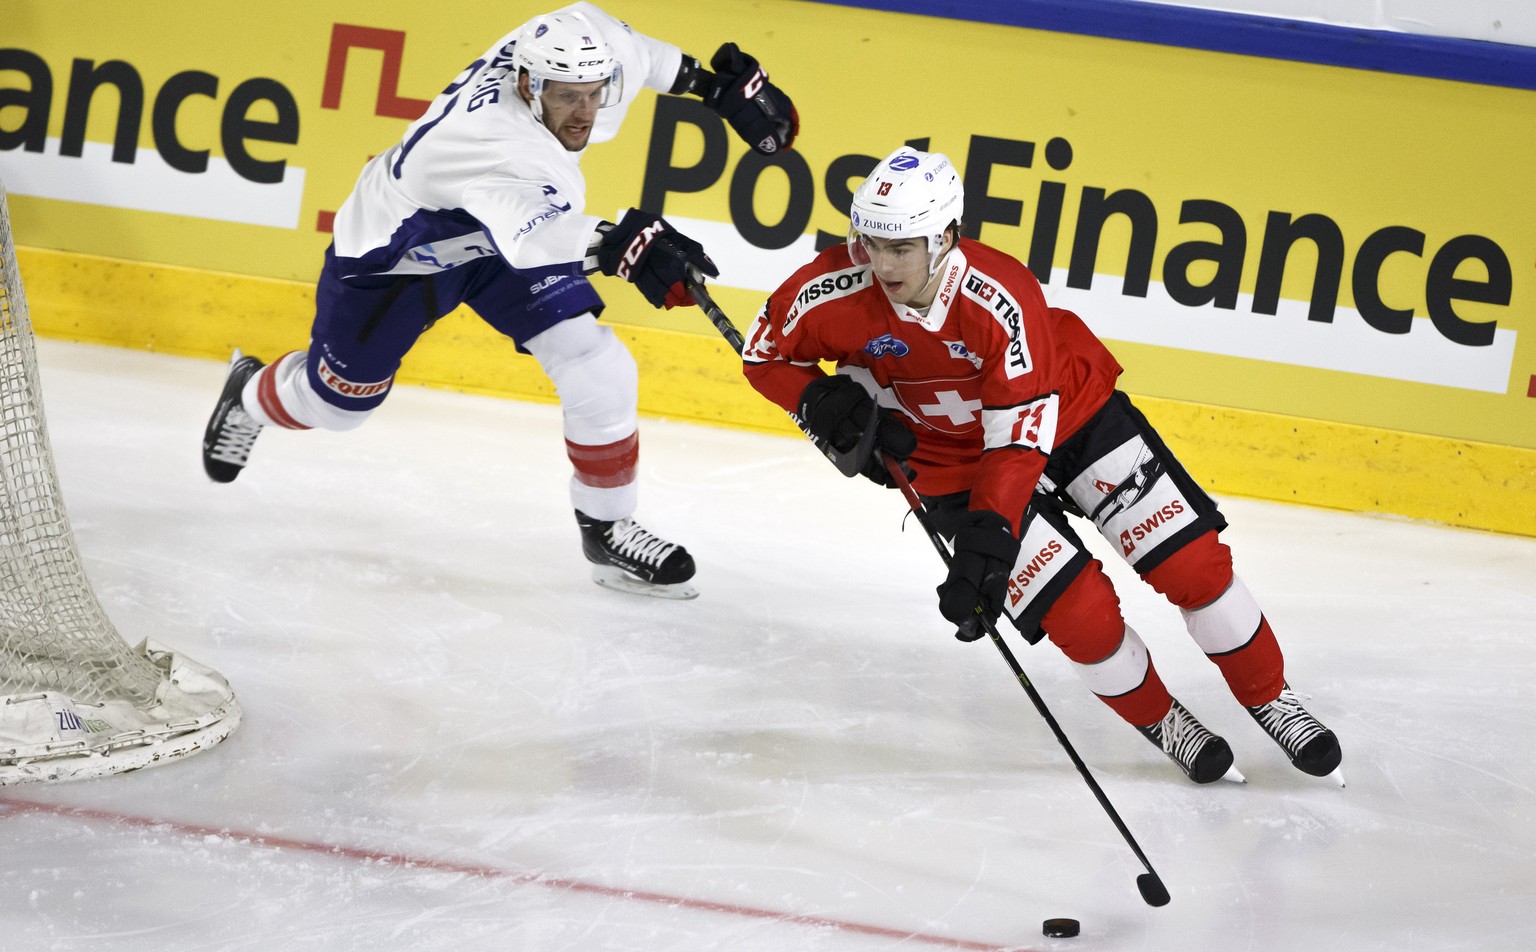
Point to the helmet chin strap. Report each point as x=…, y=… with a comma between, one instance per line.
x=528, y=86
x=936, y=259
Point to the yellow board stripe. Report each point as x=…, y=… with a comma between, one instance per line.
x=694, y=377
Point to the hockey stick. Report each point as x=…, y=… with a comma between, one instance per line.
x=848, y=463
x=1150, y=884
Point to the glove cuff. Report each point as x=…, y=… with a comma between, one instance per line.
x=987, y=533
x=729, y=62
x=590, y=264
x=692, y=78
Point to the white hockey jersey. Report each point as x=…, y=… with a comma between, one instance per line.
x=478, y=175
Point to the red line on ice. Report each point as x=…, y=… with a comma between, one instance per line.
x=264, y=841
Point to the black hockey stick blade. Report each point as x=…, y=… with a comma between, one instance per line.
x=1152, y=889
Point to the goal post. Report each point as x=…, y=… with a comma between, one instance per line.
x=76, y=700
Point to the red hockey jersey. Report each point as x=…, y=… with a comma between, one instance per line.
x=990, y=379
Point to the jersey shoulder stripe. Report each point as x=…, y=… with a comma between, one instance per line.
x=999, y=301
x=824, y=288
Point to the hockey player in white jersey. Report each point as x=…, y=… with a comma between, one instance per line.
x=481, y=203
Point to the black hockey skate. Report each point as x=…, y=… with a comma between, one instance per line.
x=1313, y=748
x=231, y=432
x=627, y=557
x=1204, y=757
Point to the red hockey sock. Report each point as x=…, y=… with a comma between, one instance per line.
x=1086, y=624
x=1223, y=618
x=1256, y=671
x=269, y=395
x=1144, y=706
x=608, y=465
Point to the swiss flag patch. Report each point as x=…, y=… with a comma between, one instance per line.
x=948, y=404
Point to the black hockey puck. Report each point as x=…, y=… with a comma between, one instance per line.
x=1060, y=928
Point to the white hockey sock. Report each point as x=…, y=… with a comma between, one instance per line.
x=598, y=385
x=1226, y=624
x=280, y=395
x=1123, y=671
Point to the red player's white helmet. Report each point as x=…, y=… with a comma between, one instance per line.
x=910, y=194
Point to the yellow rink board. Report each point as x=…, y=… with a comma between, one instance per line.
x=693, y=377
x=1405, y=385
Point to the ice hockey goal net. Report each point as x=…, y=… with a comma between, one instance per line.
x=76, y=700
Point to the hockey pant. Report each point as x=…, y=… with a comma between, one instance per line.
x=1117, y=472
x=364, y=327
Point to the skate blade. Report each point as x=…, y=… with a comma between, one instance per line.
x=617, y=579
x=1337, y=776
x=1234, y=775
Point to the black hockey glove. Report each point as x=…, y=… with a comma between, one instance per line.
x=758, y=110
x=836, y=410
x=985, y=551
x=653, y=256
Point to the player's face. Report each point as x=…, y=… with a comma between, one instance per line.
x=570, y=109
x=901, y=267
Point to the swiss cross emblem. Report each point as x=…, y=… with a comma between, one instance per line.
x=948, y=404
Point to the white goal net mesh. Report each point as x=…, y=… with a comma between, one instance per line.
x=76, y=700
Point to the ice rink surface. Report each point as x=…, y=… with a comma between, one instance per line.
x=453, y=740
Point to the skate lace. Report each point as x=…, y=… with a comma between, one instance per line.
x=631, y=540
x=1182, y=735
x=235, y=438
x=1288, y=722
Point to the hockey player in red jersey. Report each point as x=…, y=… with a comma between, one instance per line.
x=1005, y=411
x=481, y=203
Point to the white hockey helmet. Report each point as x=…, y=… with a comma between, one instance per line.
x=566, y=48
x=910, y=194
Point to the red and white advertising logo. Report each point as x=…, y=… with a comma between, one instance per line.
x=1027, y=573
x=348, y=388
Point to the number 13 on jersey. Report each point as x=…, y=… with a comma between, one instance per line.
x=1028, y=425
